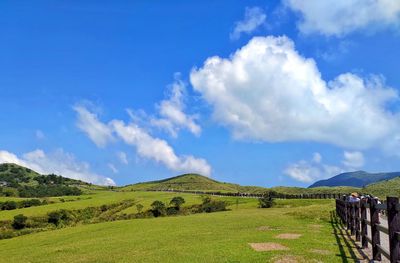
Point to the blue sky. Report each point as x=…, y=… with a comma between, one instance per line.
x=253, y=92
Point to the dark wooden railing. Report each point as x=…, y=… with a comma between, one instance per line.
x=252, y=195
x=354, y=216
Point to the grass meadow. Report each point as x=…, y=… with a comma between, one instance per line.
x=206, y=237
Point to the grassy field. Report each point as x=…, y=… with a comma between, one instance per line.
x=214, y=237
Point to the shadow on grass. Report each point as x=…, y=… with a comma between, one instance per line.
x=345, y=242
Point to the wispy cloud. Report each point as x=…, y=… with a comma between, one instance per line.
x=123, y=158
x=88, y=122
x=253, y=18
x=340, y=17
x=171, y=110
x=147, y=146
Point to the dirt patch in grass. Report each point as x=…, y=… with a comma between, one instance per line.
x=270, y=246
x=320, y=251
x=288, y=236
x=267, y=228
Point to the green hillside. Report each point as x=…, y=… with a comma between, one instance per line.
x=19, y=181
x=188, y=182
x=384, y=188
x=315, y=190
x=195, y=182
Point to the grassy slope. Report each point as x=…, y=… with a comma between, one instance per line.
x=384, y=188
x=98, y=198
x=216, y=237
x=201, y=183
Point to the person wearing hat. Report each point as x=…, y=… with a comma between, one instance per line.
x=354, y=198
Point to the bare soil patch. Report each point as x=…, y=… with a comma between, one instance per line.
x=320, y=251
x=267, y=228
x=269, y=246
x=288, y=236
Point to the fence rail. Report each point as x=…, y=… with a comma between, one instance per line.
x=354, y=216
x=251, y=195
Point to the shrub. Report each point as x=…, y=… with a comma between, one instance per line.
x=158, y=208
x=9, y=205
x=210, y=205
x=176, y=202
x=172, y=211
x=266, y=201
x=59, y=217
x=19, y=221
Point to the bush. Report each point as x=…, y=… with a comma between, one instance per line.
x=210, y=205
x=176, y=202
x=266, y=201
x=158, y=208
x=172, y=211
x=9, y=205
x=59, y=217
x=19, y=221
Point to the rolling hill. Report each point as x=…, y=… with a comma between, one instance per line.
x=16, y=180
x=384, y=188
x=192, y=182
x=355, y=179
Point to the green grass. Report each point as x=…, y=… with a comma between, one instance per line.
x=215, y=237
x=98, y=198
x=384, y=188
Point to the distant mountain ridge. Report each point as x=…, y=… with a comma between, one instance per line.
x=355, y=179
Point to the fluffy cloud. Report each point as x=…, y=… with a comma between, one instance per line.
x=266, y=91
x=353, y=159
x=146, y=145
x=339, y=17
x=158, y=149
x=171, y=111
x=58, y=162
x=88, y=122
x=310, y=171
x=253, y=18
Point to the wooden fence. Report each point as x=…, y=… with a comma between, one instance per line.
x=354, y=217
x=251, y=195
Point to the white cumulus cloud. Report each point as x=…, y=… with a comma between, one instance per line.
x=310, y=171
x=339, y=17
x=58, y=162
x=267, y=91
x=353, y=159
x=253, y=18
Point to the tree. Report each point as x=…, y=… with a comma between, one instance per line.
x=19, y=221
x=267, y=200
x=158, y=208
x=176, y=202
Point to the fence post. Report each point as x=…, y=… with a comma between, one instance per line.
x=394, y=226
x=364, y=227
x=352, y=219
x=376, y=239
x=357, y=219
